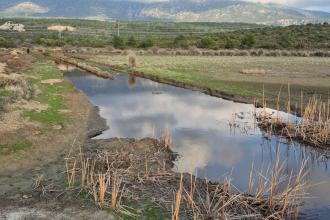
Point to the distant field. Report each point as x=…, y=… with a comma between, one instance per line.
x=239, y=76
x=134, y=28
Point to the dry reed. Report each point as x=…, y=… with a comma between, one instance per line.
x=255, y=71
x=143, y=177
x=312, y=127
x=166, y=139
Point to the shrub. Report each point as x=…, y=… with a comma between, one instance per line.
x=286, y=40
x=181, y=41
x=131, y=42
x=248, y=41
x=146, y=43
x=5, y=43
x=118, y=42
x=207, y=42
x=230, y=44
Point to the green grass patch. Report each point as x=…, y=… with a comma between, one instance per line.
x=198, y=80
x=4, y=93
x=50, y=95
x=6, y=149
x=4, y=96
x=140, y=210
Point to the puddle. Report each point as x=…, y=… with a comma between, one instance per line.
x=215, y=137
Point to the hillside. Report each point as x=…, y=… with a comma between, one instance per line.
x=173, y=10
x=166, y=35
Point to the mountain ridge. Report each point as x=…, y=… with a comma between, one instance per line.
x=173, y=10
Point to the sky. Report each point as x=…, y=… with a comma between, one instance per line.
x=321, y=5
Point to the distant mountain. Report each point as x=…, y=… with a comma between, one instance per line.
x=172, y=10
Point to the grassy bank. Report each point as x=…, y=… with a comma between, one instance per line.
x=52, y=87
x=35, y=107
x=40, y=110
x=243, y=77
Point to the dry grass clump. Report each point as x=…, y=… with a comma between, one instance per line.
x=194, y=51
x=312, y=128
x=16, y=84
x=132, y=60
x=2, y=68
x=118, y=174
x=255, y=71
x=272, y=195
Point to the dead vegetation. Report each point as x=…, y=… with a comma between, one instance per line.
x=194, y=51
x=113, y=175
x=255, y=71
x=312, y=127
x=132, y=60
x=16, y=84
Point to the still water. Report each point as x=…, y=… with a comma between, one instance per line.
x=214, y=137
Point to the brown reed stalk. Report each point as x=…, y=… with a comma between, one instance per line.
x=104, y=180
x=178, y=198
x=116, y=183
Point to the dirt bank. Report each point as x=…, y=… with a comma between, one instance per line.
x=48, y=142
x=91, y=69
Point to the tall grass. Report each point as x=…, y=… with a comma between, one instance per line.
x=166, y=138
x=312, y=127
x=177, y=204
x=111, y=177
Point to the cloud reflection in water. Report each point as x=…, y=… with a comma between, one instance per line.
x=199, y=125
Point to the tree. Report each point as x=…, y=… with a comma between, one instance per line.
x=286, y=40
x=146, y=43
x=181, y=41
x=207, y=42
x=6, y=43
x=131, y=42
x=248, y=41
x=118, y=42
x=229, y=43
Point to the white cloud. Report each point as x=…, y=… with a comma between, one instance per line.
x=295, y=3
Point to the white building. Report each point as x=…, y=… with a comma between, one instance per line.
x=12, y=27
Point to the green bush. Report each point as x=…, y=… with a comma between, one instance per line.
x=6, y=43
x=131, y=42
x=230, y=44
x=286, y=40
x=207, y=42
x=180, y=42
x=146, y=43
x=248, y=41
x=118, y=42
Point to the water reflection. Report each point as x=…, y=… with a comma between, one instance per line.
x=131, y=82
x=214, y=136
